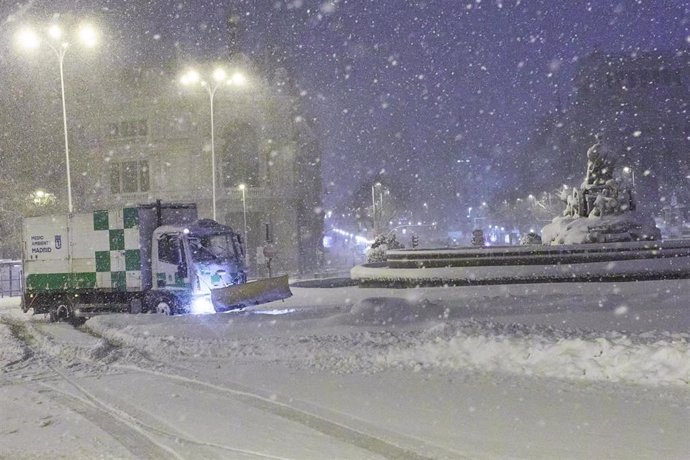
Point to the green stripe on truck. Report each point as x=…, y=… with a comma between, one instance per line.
x=60, y=281
x=132, y=260
x=131, y=217
x=102, y=261
x=100, y=220
x=117, y=239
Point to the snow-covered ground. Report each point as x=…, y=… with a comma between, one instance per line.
x=573, y=370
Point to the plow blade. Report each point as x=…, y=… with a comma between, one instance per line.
x=251, y=293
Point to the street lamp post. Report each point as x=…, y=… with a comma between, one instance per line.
x=243, y=187
x=31, y=40
x=629, y=170
x=219, y=77
x=373, y=208
x=373, y=205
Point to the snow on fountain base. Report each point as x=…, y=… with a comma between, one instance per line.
x=629, y=226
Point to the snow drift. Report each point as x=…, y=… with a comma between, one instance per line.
x=379, y=333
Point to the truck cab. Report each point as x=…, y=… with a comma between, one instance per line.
x=189, y=261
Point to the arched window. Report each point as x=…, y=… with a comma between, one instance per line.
x=240, y=156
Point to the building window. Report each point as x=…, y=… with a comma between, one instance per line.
x=127, y=129
x=240, y=156
x=129, y=176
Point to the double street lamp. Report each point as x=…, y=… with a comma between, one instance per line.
x=54, y=37
x=218, y=78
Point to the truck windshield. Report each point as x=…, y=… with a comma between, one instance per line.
x=213, y=247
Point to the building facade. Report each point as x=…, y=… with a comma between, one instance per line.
x=148, y=138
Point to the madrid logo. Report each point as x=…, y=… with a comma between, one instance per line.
x=58, y=241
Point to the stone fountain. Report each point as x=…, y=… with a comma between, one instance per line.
x=602, y=209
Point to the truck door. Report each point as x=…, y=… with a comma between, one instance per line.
x=171, y=270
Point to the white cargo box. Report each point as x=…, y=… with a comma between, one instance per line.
x=101, y=250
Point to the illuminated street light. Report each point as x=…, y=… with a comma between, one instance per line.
x=55, y=32
x=190, y=77
x=27, y=38
x=218, y=78
x=41, y=198
x=237, y=79
x=629, y=170
x=88, y=35
x=219, y=75
x=243, y=187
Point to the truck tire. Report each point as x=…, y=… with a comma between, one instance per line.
x=64, y=313
x=164, y=305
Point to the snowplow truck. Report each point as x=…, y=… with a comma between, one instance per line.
x=156, y=258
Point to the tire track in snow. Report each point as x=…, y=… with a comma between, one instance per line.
x=359, y=438
x=332, y=428
x=138, y=444
x=145, y=432
x=25, y=365
x=89, y=407
x=49, y=356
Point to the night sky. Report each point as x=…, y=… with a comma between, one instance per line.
x=438, y=97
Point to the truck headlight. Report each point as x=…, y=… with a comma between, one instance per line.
x=202, y=305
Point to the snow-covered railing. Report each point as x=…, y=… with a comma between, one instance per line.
x=10, y=278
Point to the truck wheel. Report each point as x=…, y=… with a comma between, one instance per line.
x=164, y=306
x=63, y=312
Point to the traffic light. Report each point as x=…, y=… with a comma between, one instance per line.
x=415, y=241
